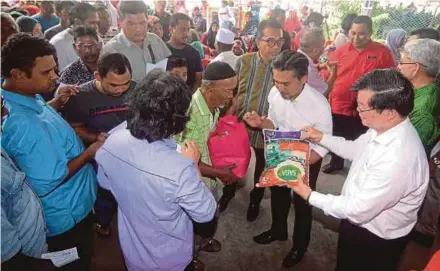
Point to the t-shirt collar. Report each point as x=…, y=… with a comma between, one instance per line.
x=27, y=101
x=388, y=136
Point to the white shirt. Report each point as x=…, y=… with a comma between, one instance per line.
x=310, y=108
x=314, y=79
x=386, y=184
x=63, y=43
x=227, y=57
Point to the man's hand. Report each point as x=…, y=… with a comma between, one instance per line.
x=253, y=119
x=332, y=67
x=302, y=190
x=102, y=137
x=191, y=151
x=65, y=92
x=92, y=149
x=311, y=134
x=226, y=175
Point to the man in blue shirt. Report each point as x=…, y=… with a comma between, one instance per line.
x=46, y=148
x=47, y=17
x=23, y=227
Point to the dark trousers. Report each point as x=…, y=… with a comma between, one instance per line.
x=347, y=127
x=105, y=207
x=256, y=193
x=359, y=249
x=81, y=237
x=280, y=202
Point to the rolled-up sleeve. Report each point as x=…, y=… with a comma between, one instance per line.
x=10, y=241
x=194, y=197
x=28, y=142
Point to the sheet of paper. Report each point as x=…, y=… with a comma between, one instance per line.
x=162, y=65
x=122, y=125
x=62, y=257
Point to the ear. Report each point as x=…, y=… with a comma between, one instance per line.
x=97, y=76
x=19, y=75
x=304, y=79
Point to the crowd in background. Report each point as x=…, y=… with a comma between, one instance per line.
x=89, y=131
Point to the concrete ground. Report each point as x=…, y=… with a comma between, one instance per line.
x=239, y=252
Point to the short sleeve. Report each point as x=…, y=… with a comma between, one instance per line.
x=29, y=144
x=194, y=197
x=101, y=175
x=198, y=61
x=10, y=240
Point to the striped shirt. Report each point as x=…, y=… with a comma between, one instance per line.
x=197, y=129
x=254, y=84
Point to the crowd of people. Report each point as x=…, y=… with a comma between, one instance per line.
x=88, y=131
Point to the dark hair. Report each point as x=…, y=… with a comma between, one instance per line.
x=218, y=71
x=113, y=62
x=347, y=22
x=20, y=52
x=391, y=91
x=315, y=17
x=80, y=11
x=100, y=7
x=223, y=47
x=132, y=7
x=175, y=18
x=278, y=12
x=365, y=20
x=84, y=31
x=176, y=62
x=426, y=33
x=291, y=61
x=60, y=5
x=271, y=23
x=158, y=106
x=26, y=24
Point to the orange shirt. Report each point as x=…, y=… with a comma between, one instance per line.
x=353, y=64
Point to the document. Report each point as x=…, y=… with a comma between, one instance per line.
x=62, y=257
x=161, y=65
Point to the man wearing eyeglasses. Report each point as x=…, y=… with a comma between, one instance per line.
x=255, y=80
x=87, y=46
x=355, y=59
x=420, y=64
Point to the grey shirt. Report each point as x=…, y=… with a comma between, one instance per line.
x=138, y=57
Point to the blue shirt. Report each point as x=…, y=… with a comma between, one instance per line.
x=46, y=23
x=23, y=226
x=158, y=193
x=42, y=143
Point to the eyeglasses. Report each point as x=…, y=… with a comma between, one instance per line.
x=408, y=63
x=271, y=42
x=88, y=46
x=360, y=110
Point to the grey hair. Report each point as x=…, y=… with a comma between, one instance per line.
x=6, y=16
x=310, y=38
x=425, y=52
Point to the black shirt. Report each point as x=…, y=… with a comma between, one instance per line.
x=97, y=111
x=193, y=59
x=287, y=41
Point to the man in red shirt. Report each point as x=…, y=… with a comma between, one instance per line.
x=315, y=19
x=355, y=59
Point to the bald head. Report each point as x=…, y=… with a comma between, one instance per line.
x=312, y=42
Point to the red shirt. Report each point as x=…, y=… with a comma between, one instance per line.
x=353, y=64
x=295, y=42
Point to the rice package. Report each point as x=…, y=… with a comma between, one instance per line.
x=287, y=159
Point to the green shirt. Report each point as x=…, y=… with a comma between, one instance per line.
x=197, y=129
x=426, y=114
x=254, y=84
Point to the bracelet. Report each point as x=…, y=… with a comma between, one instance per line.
x=308, y=198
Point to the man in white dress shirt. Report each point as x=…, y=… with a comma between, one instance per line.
x=224, y=41
x=312, y=46
x=293, y=104
x=388, y=177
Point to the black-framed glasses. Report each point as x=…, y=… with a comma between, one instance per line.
x=409, y=63
x=271, y=42
x=86, y=46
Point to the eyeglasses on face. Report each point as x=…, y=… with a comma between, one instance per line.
x=360, y=110
x=409, y=63
x=271, y=42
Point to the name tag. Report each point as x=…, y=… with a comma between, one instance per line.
x=371, y=57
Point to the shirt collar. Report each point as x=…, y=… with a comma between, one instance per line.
x=388, y=136
x=27, y=101
x=260, y=60
x=428, y=90
x=201, y=103
x=125, y=40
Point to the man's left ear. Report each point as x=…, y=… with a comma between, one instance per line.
x=304, y=79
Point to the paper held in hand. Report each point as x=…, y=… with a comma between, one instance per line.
x=287, y=159
x=62, y=257
x=161, y=65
